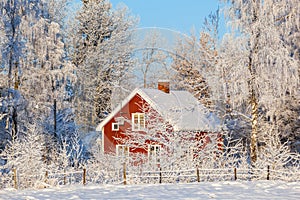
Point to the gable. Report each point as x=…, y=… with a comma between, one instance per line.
x=117, y=110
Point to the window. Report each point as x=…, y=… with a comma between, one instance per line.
x=154, y=153
x=115, y=126
x=138, y=121
x=122, y=151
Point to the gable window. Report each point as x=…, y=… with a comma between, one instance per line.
x=154, y=153
x=115, y=126
x=138, y=121
x=122, y=151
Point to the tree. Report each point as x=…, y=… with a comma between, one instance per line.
x=34, y=58
x=190, y=69
x=102, y=47
x=45, y=71
x=11, y=14
x=26, y=156
x=275, y=154
x=261, y=68
x=195, y=60
x=152, y=61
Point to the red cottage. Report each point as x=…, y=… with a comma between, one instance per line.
x=141, y=123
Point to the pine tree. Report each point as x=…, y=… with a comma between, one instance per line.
x=191, y=64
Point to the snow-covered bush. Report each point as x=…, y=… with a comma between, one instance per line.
x=276, y=157
x=26, y=155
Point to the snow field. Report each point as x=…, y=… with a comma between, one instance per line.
x=204, y=190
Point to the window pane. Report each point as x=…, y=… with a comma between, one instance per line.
x=138, y=121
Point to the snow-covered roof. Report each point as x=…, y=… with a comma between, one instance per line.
x=180, y=108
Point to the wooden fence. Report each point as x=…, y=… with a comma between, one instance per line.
x=157, y=176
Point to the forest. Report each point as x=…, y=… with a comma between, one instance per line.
x=64, y=69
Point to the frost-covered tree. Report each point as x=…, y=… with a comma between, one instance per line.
x=26, y=155
x=261, y=69
x=275, y=155
x=69, y=154
x=102, y=47
x=46, y=67
x=12, y=109
x=189, y=74
x=34, y=59
x=152, y=61
x=11, y=14
x=195, y=58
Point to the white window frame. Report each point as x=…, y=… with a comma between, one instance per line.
x=122, y=150
x=154, y=155
x=113, y=126
x=141, y=124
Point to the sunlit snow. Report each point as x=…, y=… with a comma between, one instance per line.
x=204, y=190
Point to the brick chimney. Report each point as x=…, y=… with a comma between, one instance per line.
x=164, y=85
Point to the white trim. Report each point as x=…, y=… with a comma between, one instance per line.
x=102, y=132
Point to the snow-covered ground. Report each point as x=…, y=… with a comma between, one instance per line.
x=204, y=190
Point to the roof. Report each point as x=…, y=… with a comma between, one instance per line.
x=180, y=108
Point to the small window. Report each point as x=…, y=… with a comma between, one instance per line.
x=122, y=151
x=138, y=121
x=154, y=153
x=115, y=126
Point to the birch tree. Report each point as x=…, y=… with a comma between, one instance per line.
x=261, y=68
x=34, y=59
x=45, y=71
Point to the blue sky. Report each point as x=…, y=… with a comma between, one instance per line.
x=180, y=15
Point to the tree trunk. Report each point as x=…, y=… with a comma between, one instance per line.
x=254, y=126
x=54, y=118
x=253, y=94
x=15, y=124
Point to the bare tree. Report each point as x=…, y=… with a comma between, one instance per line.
x=152, y=61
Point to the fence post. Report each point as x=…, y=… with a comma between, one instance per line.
x=198, y=174
x=160, y=175
x=235, y=174
x=124, y=173
x=268, y=174
x=15, y=178
x=84, y=176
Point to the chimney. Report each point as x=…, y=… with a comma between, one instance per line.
x=164, y=85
